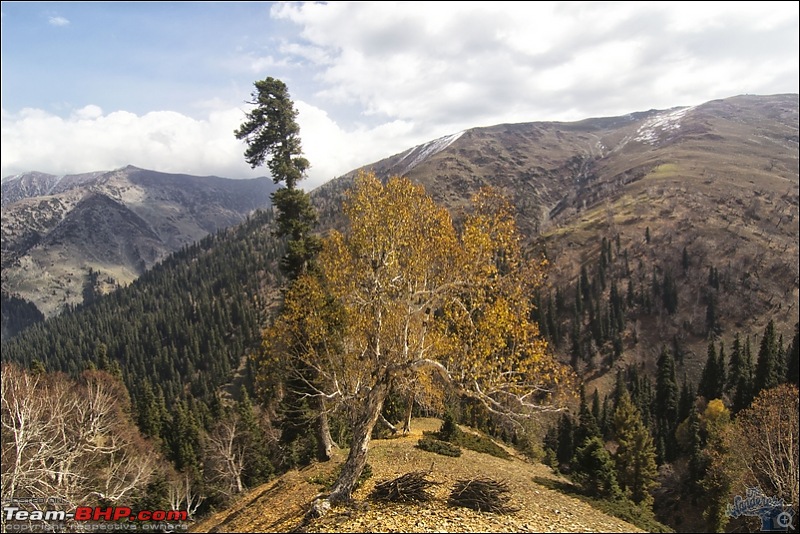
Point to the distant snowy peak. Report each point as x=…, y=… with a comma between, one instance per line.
x=420, y=153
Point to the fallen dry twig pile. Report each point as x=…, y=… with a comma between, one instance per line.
x=482, y=494
x=411, y=487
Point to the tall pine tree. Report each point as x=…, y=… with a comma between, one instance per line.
x=666, y=405
x=712, y=380
x=273, y=137
x=636, y=454
x=768, y=369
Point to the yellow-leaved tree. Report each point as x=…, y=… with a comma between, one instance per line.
x=400, y=293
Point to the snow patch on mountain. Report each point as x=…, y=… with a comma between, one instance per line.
x=420, y=153
x=653, y=128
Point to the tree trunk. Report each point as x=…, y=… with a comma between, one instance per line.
x=359, y=444
x=407, y=421
x=325, y=443
x=386, y=422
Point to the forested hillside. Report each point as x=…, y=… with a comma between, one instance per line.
x=671, y=297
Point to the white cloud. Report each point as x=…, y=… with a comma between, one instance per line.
x=372, y=79
x=57, y=21
x=443, y=68
x=91, y=140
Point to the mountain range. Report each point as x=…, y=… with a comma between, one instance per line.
x=113, y=224
x=715, y=185
x=673, y=228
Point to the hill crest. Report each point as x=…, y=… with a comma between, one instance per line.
x=279, y=505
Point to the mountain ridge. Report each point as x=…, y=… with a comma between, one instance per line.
x=49, y=222
x=716, y=181
x=678, y=221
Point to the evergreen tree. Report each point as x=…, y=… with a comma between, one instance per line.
x=257, y=467
x=685, y=260
x=721, y=371
x=273, y=136
x=272, y=133
x=587, y=423
x=793, y=361
x=605, y=418
x=745, y=388
x=620, y=388
x=768, y=373
x=566, y=442
x=735, y=364
x=686, y=399
x=636, y=456
x=595, y=470
x=712, y=322
x=710, y=386
x=695, y=447
x=782, y=360
x=666, y=409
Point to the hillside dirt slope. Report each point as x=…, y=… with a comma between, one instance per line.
x=279, y=505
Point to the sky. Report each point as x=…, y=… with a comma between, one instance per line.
x=89, y=86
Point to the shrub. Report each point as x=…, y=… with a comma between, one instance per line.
x=444, y=448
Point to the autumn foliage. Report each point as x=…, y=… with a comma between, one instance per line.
x=400, y=293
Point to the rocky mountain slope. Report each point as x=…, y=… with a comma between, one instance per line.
x=56, y=229
x=717, y=182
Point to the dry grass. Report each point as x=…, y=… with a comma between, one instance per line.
x=279, y=505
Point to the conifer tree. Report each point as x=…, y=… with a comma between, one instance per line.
x=768, y=373
x=735, y=364
x=620, y=388
x=257, y=465
x=721, y=371
x=636, y=455
x=710, y=386
x=666, y=403
x=793, y=361
x=587, y=423
x=566, y=440
x=686, y=399
x=595, y=470
x=745, y=388
x=695, y=447
x=273, y=136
